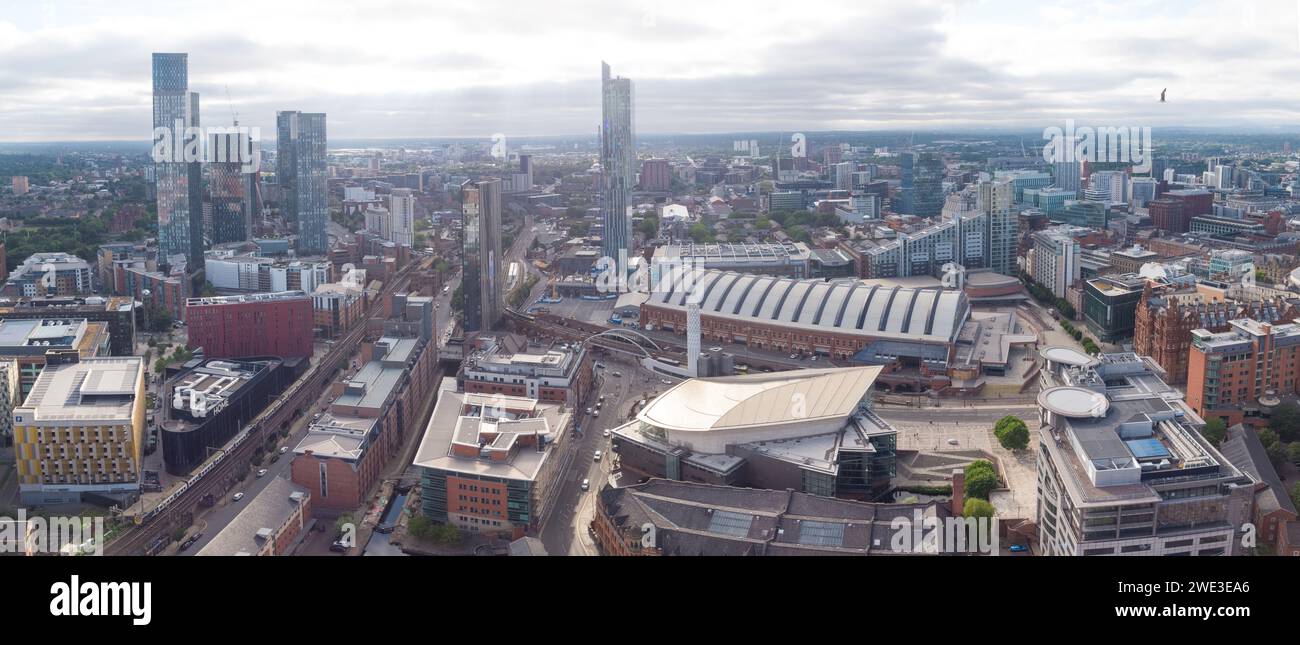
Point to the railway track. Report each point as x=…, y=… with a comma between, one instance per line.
x=152, y=534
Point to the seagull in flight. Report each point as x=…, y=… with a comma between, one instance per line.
x=1162, y=94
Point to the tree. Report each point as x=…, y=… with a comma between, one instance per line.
x=976, y=507
x=341, y=523
x=1012, y=433
x=1215, y=430
x=1285, y=421
x=1293, y=452
x=700, y=233
x=981, y=479
x=1277, y=454
x=1295, y=494
x=1268, y=437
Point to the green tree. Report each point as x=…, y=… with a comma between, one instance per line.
x=339, y=524
x=1285, y=421
x=1277, y=454
x=976, y=507
x=1012, y=433
x=1295, y=494
x=1215, y=430
x=700, y=233
x=1293, y=452
x=981, y=479
x=1268, y=437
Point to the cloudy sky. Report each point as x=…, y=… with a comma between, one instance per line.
x=79, y=69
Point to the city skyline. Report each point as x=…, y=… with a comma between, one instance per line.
x=935, y=66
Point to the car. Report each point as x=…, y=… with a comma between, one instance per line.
x=605, y=433
x=601, y=399
x=616, y=374
x=189, y=541
x=338, y=546
x=597, y=457
x=793, y=356
x=586, y=484
x=952, y=442
x=1018, y=548
x=715, y=349
x=284, y=449
x=275, y=458
x=665, y=381
x=316, y=417
x=262, y=473
x=588, y=410
x=236, y=497
x=814, y=357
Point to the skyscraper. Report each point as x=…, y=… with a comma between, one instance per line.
x=227, y=191
x=300, y=169
x=402, y=207
x=617, y=161
x=179, y=184
x=995, y=198
x=481, y=256
x=922, y=183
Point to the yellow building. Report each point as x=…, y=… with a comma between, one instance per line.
x=81, y=430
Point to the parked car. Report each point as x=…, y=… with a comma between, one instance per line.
x=605, y=433
x=284, y=449
x=616, y=374
x=597, y=457
x=338, y=546
x=586, y=484
x=715, y=349
x=1018, y=548
x=236, y=497
x=275, y=458
x=261, y=473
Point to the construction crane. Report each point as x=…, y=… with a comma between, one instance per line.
x=233, y=114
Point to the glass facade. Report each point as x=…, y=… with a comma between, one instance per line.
x=179, y=185
x=481, y=276
x=617, y=161
x=300, y=169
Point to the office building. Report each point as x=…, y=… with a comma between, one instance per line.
x=20, y=185
x=922, y=174
x=1110, y=305
x=996, y=198
x=482, y=259
x=31, y=344
x=341, y=459
x=1166, y=317
x=1230, y=374
x=617, y=162
x=1123, y=468
x=179, y=185
x=551, y=372
x=79, y=435
x=50, y=274
x=1065, y=176
x=493, y=464
x=258, y=324
x=744, y=431
x=1056, y=261
x=301, y=173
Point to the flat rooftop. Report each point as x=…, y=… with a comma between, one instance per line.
x=84, y=393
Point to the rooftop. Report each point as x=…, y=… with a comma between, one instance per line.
x=751, y=400
x=247, y=533
x=89, y=391
x=245, y=297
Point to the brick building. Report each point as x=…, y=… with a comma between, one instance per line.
x=260, y=324
x=1165, y=319
x=1229, y=372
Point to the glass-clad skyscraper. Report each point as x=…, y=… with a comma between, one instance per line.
x=617, y=161
x=481, y=257
x=179, y=184
x=300, y=169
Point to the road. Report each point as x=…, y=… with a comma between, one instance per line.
x=565, y=531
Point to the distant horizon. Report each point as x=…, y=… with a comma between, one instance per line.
x=958, y=132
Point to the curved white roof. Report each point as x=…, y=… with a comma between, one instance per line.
x=845, y=306
x=1068, y=356
x=753, y=400
x=1074, y=402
